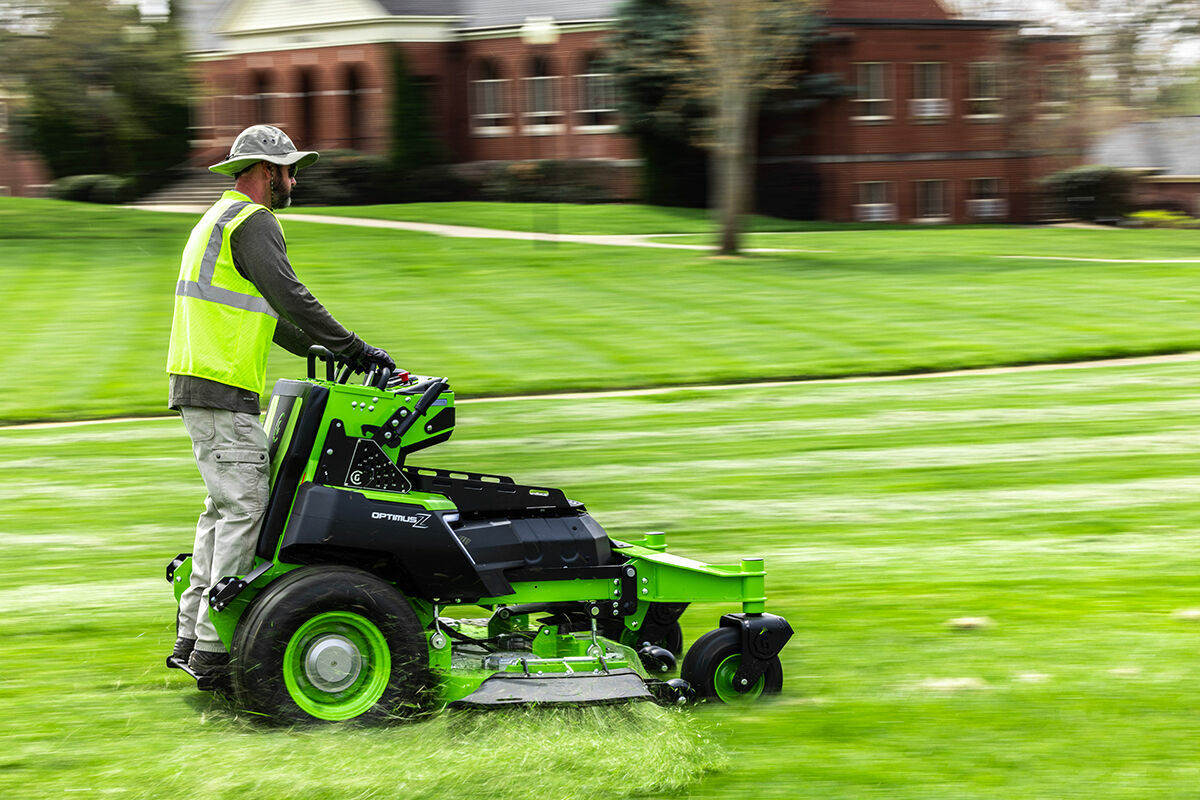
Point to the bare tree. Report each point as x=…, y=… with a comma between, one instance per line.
x=739, y=50
x=1133, y=48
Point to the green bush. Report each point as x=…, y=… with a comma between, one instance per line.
x=1090, y=192
x=549, y=182
x=92, y=188
x=350, y=178
x=345, y=178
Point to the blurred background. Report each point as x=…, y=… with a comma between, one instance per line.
x=926, y=110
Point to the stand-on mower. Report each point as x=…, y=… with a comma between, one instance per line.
x=361, y=558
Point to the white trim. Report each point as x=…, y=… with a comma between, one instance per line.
x=492, y=133
x=514, y=31
x=592, y=129
x=353, y=33
x=875, y=212
x=549, y=129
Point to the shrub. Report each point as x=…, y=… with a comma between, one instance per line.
x=1157, y=218
x=1090, y=192
x=92, y=188
x=550, y=182
x=345, y=178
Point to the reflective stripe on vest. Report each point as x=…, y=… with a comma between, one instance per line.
x=223, y=326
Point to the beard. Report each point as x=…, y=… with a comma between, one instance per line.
x=281, y=190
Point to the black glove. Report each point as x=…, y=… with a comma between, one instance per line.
x=373, y=357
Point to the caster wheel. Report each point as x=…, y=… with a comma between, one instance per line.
x=711, y=663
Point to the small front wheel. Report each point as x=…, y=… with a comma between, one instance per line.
x=330, y=644
x=712, y=662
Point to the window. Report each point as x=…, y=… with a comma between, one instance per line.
x=261, y=99
x=597, y=98
x=985, y=200
x=932, y=200
x=489, y=102
x=541, y=99
x=874, y=97
x=1056, y=87
x=983, y=90
x=929, y=91
x=874, y=203
x=3, y=115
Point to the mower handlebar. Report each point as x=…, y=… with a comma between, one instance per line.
x=376, y=377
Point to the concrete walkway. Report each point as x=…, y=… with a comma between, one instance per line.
x=466, y=232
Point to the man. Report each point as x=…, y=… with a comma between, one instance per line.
x=236, y=294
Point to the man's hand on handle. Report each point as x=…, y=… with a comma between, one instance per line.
x=373, y=358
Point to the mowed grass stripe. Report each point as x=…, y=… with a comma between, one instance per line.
x=1080, y=557
x=504, y=317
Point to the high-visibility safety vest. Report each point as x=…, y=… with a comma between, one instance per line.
x=223, y=326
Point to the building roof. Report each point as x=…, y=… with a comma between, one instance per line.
x=891, y=9
x=504, y=13
x=1171, y=146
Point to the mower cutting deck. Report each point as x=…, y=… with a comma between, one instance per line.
x=365, y=565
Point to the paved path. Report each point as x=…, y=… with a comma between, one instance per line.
x=1171, y=358
x=467, y=232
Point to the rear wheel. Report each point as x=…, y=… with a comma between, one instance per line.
x=330, y=644
x=712, y=662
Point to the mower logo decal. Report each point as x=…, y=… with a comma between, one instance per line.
x=416, y=520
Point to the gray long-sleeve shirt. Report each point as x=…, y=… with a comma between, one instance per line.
x=260, y=256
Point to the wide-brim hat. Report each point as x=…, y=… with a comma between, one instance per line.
x=263, y=143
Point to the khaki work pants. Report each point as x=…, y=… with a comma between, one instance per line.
x=231, y=452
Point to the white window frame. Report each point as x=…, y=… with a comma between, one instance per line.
x=606, y=94
x=871, y=208
x=982, y=105
x=489, y=107
x=864, y=102
x=3, y=114
x=543, y=114
x=1054, y=77
x=929, y=103
x=986, y=205
x=920, y=216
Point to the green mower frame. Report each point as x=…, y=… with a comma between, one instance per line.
x=365, y=566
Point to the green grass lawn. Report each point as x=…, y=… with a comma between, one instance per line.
x=1060, y=504
x=87, y=302
x=558, y=217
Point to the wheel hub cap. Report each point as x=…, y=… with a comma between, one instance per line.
x=333, y=663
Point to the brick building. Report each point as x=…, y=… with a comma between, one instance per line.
x=952, y=119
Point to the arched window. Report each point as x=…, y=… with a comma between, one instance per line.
x=542, y=113
x=597, y=103
x=306, y=133
x=260, y=98
x=489, y=101
x=352, y=80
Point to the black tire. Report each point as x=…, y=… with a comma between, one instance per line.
x=288, y=645
x=714, y=657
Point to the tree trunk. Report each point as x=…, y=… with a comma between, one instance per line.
x=731, y=168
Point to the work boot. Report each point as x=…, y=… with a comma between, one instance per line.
x=207, y=664
x=183, y=648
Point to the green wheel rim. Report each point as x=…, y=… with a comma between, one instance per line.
x=723, y=683
x=357, y=652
